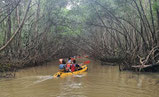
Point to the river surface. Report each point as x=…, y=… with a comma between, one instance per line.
x=99, y=81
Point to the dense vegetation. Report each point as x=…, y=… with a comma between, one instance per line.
x=35, y=31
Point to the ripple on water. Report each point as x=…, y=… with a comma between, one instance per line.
x=43, y=78
x=80, y=75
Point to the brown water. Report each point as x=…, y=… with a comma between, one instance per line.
x=99, y=81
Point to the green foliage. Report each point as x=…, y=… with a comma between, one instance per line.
x=156, y=5
x=5, y=67
x=1, y=38
x=51, y=20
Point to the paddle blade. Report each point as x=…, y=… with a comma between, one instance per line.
x=86, y=62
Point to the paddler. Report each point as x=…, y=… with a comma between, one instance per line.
x=68, y=65
x=60, y=61
x=62, y=65
x=73, y=66
x=72, y=59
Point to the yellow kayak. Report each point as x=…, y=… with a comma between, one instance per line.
x=63, y=74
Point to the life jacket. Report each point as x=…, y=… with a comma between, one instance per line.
x=73, y=68
x=68, y=65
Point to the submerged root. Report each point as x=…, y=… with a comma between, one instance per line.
x=7, y=71
x=7, y=74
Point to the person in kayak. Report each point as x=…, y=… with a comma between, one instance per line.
x=62, y=65
x=69, y=60
x=60, y=61
x=76, y=67
x=73, y=66
x=72, y=59
x=68, y=65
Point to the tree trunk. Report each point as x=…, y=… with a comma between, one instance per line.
x=8, y=32
x=153, y=25
x=18, y=29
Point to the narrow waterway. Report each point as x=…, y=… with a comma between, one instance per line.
x=99, y=81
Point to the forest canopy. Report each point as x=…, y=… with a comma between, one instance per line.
x=34, y=31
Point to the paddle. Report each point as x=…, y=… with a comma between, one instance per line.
x=86, y=62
